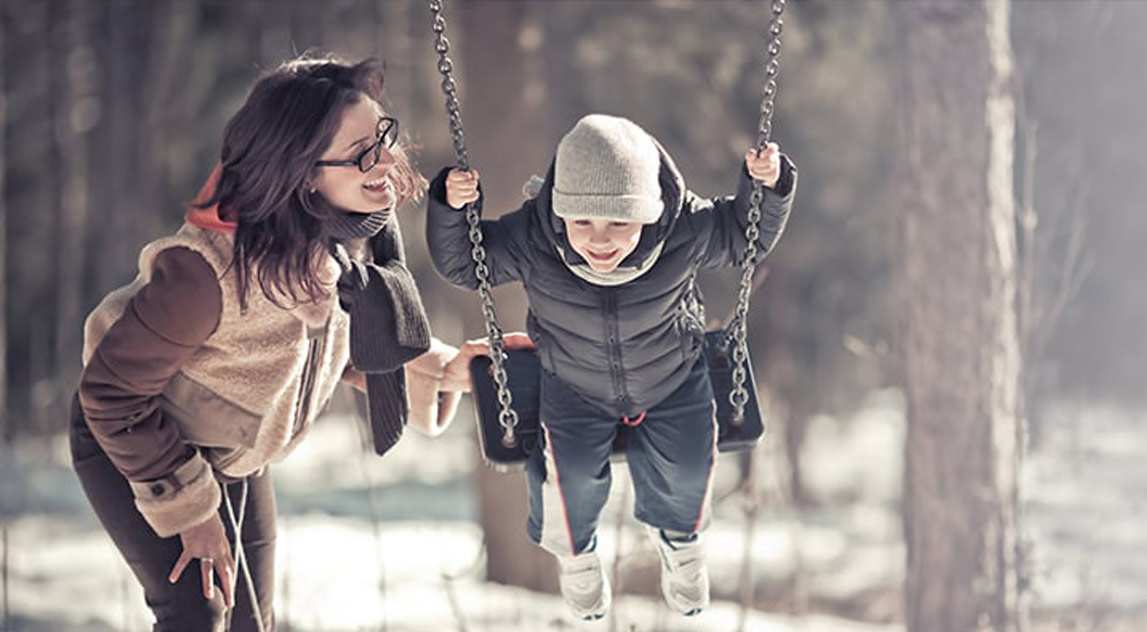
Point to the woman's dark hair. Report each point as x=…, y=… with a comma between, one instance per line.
x=268, y=162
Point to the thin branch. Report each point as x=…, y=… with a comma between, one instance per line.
x=1028, y=222
x=1075, y=267
x=372, y=506
x=752, y=509
x=448, y=580
x=4, y=573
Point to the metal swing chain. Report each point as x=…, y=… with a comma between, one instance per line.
x=738, y=330
x=507, y=416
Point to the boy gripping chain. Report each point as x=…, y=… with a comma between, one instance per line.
x=607, y=252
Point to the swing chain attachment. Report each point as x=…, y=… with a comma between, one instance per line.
x=738, y=330
x=507, y=416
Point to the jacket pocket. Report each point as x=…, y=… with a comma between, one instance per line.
x=205, y=418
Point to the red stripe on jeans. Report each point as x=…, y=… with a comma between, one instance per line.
x=709, y=478
x=558, y=483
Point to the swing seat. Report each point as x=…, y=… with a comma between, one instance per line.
x=523, y=371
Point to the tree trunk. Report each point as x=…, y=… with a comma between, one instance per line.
x=960, y=341
x=4, y=250
x=118, y=235
x=504, y=113
x=73, y=125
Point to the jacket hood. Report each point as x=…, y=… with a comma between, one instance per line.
x=208, y=218
x=672, y=195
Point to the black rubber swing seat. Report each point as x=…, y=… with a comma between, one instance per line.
x=523, y=371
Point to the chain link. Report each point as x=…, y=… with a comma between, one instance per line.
x=737, y=336
x=507, y=416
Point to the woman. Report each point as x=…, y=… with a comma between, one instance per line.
x=215, y=361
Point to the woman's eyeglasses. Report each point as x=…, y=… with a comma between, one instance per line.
x=386, y=135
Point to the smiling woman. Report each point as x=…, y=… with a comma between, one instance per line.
x=374, y=160
x=286, y=278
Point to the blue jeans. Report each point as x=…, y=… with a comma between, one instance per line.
x=672, y=453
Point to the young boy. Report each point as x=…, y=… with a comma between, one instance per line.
x=607, y=252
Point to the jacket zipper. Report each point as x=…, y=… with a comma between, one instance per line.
x=613, y=348
x=306, y=385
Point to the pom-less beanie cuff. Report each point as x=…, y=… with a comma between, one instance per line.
x=620, y=208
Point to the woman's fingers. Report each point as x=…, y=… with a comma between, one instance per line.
x=456, y=375
x=207, y=541
x=511, y=340
x=180, y=564
x=207, y=571
x=518, y=340
x=227, y=581
x=456, y=372
x=207, y=567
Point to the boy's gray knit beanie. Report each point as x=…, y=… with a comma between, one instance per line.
x=606, y=168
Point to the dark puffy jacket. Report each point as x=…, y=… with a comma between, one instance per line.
x=627, y=347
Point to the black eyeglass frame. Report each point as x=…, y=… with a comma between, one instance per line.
x=387, y=132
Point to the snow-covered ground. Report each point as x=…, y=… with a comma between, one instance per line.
x=1086, y=515
x=392, y=544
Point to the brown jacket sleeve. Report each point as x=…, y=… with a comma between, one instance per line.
x=163, y=324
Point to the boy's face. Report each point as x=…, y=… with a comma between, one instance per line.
x=603, y=243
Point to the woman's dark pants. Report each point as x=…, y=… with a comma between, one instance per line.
x=179, y=607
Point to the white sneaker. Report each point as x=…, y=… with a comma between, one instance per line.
x=584, y=585
x=684, y=577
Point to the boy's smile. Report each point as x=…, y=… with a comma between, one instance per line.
x=604, y=244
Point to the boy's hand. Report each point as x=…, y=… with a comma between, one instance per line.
x=461, y=188
x=767, y=166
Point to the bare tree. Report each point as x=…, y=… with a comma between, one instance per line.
x=118, y=207
x=74, y=121
x=505, y=130
x=3, y=250
x=960, y=344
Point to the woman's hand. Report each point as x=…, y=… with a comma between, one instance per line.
x=461, y=188
x=207, y=542
x=765, y=167
x=457, y=370
x=354, y=377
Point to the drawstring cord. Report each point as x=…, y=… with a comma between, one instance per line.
x=240, y=557
x=635, y=422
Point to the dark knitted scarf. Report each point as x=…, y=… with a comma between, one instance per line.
x=388, y=324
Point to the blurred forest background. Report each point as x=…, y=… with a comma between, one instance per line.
x=112, y=112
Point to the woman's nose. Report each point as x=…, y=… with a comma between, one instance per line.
x=386, y=162
x=385, y=157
